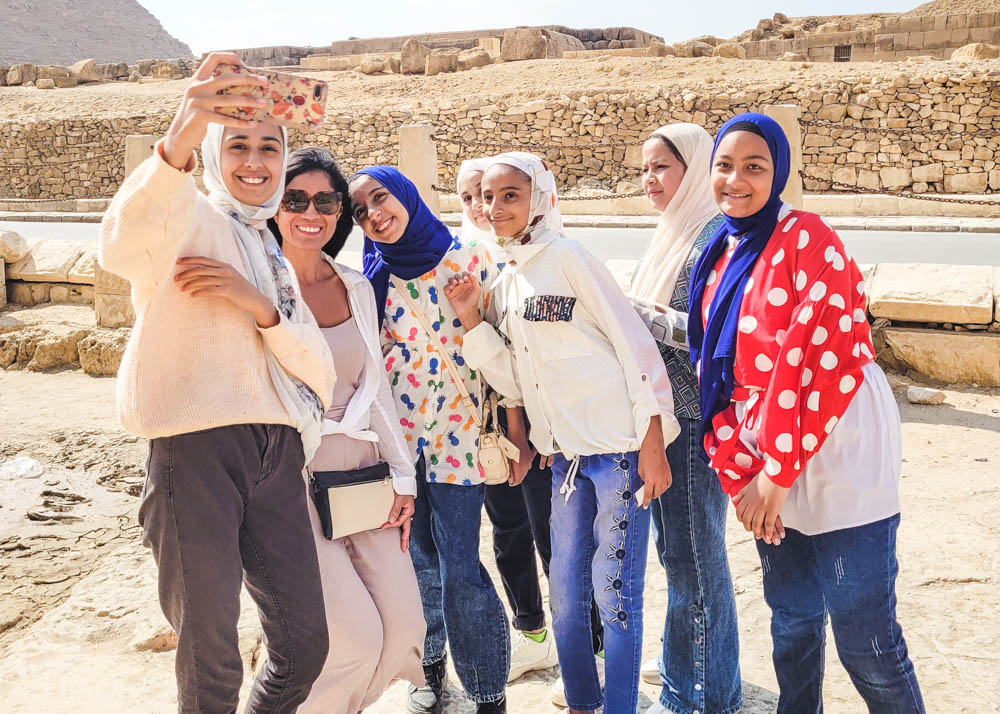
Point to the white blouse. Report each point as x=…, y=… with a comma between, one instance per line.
x=853, y=479
x=562, y=339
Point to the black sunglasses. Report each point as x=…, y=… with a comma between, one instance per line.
x=297, y=201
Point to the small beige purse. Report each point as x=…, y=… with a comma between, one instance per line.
x=494, y=447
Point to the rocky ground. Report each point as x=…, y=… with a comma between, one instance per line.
x=80, y=628
x=352, y=91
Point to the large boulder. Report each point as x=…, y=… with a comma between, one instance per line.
x=145, y=67
x=48, y=261
x=693, y=48
x=523, y=44
x=922, y=293
x=976, y=51
x=659, y=49
x=730, y=50
x=469, y=59
x=442, y=60
x=21, y=74
x=373, y=64
x=45, y=83
x=12, y=247
x=85, y=71
x=413, y=57
x=51, y=71
x=4, y=69
x=952, y=357
x=115, y=70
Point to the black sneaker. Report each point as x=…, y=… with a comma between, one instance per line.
x=499, y=707
x=429, y=698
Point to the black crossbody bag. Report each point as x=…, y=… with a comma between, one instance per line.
x=350, y=502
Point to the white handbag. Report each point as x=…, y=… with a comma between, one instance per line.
x=494, y=447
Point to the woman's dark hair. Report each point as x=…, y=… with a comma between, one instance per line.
x=670, y=145
x=313, y=158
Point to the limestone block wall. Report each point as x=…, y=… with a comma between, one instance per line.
x=924, y=132
x=897, y=39
x=934, y=35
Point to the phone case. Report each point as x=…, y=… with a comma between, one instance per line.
x=297, y=102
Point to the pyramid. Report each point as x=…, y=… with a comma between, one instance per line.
x=64, y=31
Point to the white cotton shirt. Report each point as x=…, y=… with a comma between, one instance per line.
x=853, y=479
x=562, y=339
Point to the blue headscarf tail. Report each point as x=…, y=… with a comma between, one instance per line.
x=419, y=250
x=713, y=347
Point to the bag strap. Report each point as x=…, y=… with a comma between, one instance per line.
x=445, y=357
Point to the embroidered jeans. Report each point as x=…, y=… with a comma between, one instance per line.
x=850, y=574
x=460, y=604
x=700, y=661
x=599, y=542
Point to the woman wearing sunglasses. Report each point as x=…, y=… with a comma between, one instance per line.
x=373, y=611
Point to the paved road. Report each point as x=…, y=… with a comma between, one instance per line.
x=606, y=243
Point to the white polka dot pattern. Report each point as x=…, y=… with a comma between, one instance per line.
x=802, y=339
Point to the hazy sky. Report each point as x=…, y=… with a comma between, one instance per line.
x=215, y=24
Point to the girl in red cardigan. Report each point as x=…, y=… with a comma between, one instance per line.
x=801, y=425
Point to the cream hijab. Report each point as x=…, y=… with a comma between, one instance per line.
x=269, y=272
x=544, y=212
x=684, y=218
x=470, y=231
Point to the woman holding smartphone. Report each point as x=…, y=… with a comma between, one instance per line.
x=228, y=375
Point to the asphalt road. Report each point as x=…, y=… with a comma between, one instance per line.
x=626, y=243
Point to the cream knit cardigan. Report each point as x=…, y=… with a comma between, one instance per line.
x=194, y=363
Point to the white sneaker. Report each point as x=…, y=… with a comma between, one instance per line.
x=658, y=708
x=527, y=655
x=558, y=693
x=650, y=672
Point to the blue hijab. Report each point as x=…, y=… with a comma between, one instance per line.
x=713, y=346
x=420, y=248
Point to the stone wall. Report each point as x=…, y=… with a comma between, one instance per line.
x=592, y=39
x=934, y=35
x=897, y=39
x=928, y=133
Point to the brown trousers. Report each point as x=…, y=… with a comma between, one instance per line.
x=222, y=507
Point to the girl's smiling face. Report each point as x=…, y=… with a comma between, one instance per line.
x=310, y=230
x=742, y=174
x=380, y=214
x=662, y=172
x=470, y=190
x=251, y=161
x=507, y=199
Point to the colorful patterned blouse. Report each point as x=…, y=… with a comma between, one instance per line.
x=435, y=422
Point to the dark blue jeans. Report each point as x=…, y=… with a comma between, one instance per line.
x=460, y=603
x=600, y=538
x=850, y=574
x=700, y=662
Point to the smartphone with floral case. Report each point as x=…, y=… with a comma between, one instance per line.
x=293, y=101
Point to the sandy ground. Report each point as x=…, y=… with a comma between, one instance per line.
x=352, y=92
x=77, y=594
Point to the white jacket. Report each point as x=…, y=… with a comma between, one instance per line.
x=371, y=413
x=562, y=339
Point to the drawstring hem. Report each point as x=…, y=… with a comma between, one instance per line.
x=569, y=483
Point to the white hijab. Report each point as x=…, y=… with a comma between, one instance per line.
x=270, y=273
x=544, y=211
x=470, y=231
x=684, y=218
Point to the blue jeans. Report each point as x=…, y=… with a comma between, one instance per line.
x=850, y=574
x=700, y=662
x=461, y=605
x=599, y=543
